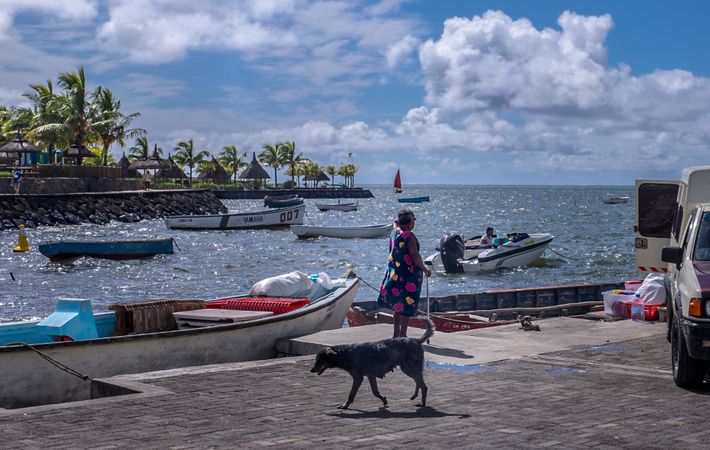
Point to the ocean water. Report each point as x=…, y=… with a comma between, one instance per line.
x=593, y=243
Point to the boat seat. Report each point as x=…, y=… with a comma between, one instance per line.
x=277, y=305
x=150, y=316
x=71, y=320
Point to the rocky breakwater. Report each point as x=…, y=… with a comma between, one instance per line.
x=103, y=207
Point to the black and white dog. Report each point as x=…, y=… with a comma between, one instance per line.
x=374, y=359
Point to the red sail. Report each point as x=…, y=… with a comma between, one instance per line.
x=397, y=182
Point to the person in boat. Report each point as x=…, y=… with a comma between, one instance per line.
x=487, y=238
x=402, y=284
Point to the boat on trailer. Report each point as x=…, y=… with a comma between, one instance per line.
x=470, y=311
x=154, y=335
x=514, y=250
x=272, y=218
x=69, y=250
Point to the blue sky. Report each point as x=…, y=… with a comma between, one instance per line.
x=462, y=92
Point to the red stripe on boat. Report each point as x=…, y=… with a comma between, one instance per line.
x=276, y=305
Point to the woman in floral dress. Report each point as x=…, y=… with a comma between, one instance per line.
x=402, y=285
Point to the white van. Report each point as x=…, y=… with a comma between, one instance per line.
x=670, y=234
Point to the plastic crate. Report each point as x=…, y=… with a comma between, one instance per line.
x=618, y=302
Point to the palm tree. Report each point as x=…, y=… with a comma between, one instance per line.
x=111, y=124
x=79, y=112
x=348, y=172
x=332, y=171
x=185, y=156
x=230, y=158
x=48, y=126
x=291, y=159
x=311, y=170
x=273, y=156
x=140, y=149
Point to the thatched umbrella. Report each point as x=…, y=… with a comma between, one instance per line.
x=320, y=177
x=20, y=146
x=170, y=170
x=254, y=171
x=78, y=152
x=214, y=172
x=153, y=162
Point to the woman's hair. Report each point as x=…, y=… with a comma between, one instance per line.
x=405, y=216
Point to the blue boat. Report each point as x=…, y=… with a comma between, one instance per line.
x=65, y=250
x=282, y=201
x=414, y=199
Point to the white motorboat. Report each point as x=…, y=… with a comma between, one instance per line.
x=364, y=231
x=271, y=218
x=516, y=249
x=337, y=206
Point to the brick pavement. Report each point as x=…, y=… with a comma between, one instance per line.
x=619, y=395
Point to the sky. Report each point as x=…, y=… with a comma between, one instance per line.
x=593, y=92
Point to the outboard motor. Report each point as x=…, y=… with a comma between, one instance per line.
x=451, y=249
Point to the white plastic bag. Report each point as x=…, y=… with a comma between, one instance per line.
x=292, y=284
x=653, y=290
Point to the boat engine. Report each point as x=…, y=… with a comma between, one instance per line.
x=451, y=249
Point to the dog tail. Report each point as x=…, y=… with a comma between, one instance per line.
x=429, y=330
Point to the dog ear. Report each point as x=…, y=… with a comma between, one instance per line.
x=330, y=352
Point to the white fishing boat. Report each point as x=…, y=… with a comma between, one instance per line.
x=348, y=232
x=156, y=335
x=272, y=218
x=350, y=206
x=615, y=199
x=514, y=250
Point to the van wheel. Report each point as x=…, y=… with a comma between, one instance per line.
x=687, y=371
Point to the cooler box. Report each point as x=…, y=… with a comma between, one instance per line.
x=208, y=317
x=617, y=303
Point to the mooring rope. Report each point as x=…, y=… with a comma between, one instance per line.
x=564, y=256
x=368, y=284
x=64, y=367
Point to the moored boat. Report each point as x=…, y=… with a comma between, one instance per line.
x=350, y=206
x=615, y=199
x=422, y=199
x=345, y=232
x=272, y=218
x=144, y=336
x=469, y=311
x=282, y=201
x=68, y=250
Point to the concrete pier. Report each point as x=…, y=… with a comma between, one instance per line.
x=574, y=384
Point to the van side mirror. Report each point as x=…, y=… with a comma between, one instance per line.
x=673, y=255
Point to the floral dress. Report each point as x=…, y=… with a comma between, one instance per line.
x=402, y=285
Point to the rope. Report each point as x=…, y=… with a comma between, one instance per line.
x=368, y=284
x=176, y=244
x=564, y=256
x=65, y=368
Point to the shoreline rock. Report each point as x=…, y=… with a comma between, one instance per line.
x=103, y=207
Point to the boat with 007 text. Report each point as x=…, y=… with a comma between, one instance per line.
x=272, y=218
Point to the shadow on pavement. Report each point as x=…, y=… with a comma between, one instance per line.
x=384, y=413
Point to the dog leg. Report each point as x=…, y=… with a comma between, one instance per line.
x=420, y=384
x=373, y=386
x=357, y=381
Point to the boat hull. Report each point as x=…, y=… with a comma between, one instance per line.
x=337, y=207
x=274, y=218
x=40, y=382
x=63, y=250
x=366, y=232
x=414, y=199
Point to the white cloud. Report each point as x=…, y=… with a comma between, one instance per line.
x=401, y=51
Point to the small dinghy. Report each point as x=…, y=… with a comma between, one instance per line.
x=351, y=206
x=516, y=249
x=351, y=232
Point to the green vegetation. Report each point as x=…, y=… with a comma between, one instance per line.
x=73, y=115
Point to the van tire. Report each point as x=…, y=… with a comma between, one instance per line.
x=687, y=372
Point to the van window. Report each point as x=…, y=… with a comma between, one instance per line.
x=677, y=222
x=656, y=209
x=689, y=229
x=702, y=242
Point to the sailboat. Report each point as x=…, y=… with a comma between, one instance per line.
x=397, y=183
